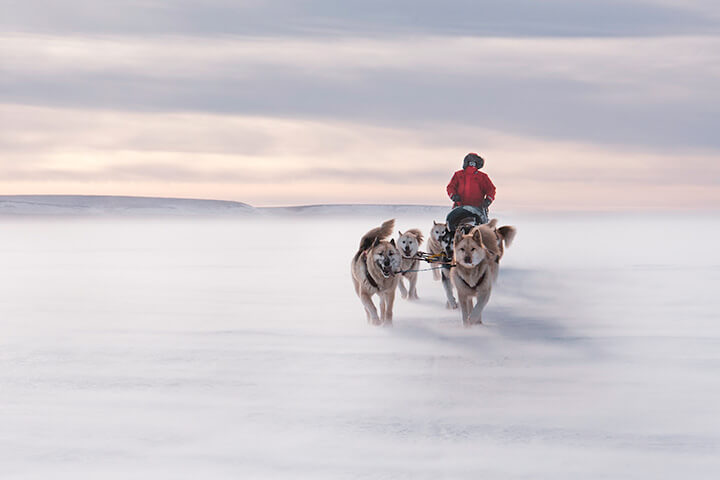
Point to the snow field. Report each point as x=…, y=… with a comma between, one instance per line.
x=236, y=348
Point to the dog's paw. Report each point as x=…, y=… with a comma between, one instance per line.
x=451, y=306
x=404, y=294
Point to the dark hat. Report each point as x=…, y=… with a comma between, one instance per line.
x=479, y=161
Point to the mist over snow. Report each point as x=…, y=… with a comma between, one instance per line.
x=186, y=347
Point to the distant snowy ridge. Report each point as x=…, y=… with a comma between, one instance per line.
x=99, y=205
x=107, y=205
x=357, y=209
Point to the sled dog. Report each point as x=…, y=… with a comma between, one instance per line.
x=409, y=243
x=476, y=265
x=374, y=268
x=446, y=242
x=433, y=244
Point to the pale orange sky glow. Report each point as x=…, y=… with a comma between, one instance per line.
x=270, y=161
x=565, y=121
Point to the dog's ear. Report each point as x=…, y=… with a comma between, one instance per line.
x=375, y=242
x=507, y=234
x=458, y=235
x=400, y=233
x=477, y=236
x=434, y=223
x=392, y=242
x=492, y=223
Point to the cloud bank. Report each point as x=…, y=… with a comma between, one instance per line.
x=587, y=98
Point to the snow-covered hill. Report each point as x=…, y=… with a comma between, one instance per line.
x=106, y=205
x=99, y=205
x=359, y=209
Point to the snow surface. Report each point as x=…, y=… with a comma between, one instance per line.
x=236, y=348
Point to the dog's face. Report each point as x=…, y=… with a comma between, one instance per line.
x=387, y=257
x=469, y=249
x=448, y=240
x=438, y=231
x=408, y=244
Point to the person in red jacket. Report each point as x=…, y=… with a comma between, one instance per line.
x=472, y=193
x=470, y=186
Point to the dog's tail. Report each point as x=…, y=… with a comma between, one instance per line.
x=507, y=234
x=375, y=235
x=417, y=233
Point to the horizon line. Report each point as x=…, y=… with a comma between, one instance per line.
x=629, y=209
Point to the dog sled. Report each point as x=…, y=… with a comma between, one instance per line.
x=464, y=217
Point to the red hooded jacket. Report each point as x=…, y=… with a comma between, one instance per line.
x=472, y=185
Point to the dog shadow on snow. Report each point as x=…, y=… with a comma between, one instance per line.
x=530, y=306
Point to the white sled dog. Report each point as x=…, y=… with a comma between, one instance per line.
x=477, y=262
x=374, y=268
x=434, y=243
x=409, y=244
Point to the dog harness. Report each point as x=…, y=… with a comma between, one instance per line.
x=482, y=277
x=370, y=280
x=413, y=265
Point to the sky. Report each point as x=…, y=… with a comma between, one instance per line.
x=575, y=105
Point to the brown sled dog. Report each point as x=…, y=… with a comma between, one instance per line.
x=374, y=268
x=477, y=262
x=409, y=244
